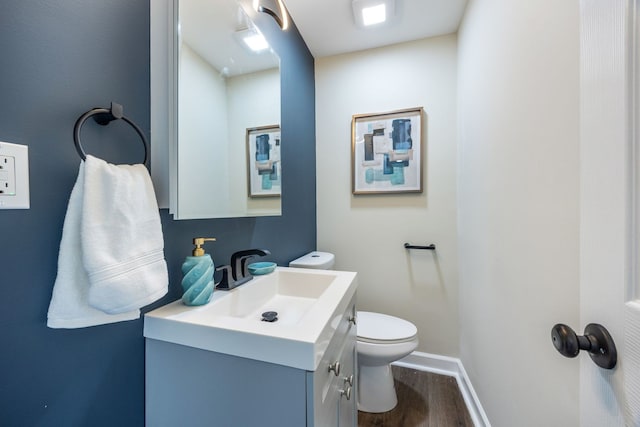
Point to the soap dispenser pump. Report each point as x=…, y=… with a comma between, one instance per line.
x=197, y=270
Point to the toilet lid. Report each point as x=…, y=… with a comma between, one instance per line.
x=382, y=327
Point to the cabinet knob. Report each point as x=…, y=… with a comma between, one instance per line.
x=335, y=367
x=346, y=393
x=349, y=380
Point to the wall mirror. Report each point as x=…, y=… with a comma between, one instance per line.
x=225, y=139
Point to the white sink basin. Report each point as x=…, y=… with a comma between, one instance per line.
x=292, y=294
x=309, y=304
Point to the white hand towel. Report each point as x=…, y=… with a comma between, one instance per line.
x=111, y=259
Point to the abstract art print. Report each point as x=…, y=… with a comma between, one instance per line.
x=263, y=161
x=386, y=152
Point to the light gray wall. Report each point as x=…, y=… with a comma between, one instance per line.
x=519, y=206
x=253, y=100
x=203, y=155
x=367, y=232
x=215, y=110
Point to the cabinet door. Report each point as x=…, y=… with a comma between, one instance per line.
x=324, y=397
x=347, y=393
x=326, y=411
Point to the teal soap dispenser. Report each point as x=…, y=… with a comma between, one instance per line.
x=197, y=270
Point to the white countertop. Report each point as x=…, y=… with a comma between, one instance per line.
x=310, y=304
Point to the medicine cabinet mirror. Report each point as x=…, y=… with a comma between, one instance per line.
x=223, y=91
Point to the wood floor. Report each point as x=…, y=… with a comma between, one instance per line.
x=424, y=400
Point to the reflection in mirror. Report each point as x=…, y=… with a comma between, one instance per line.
x=228, y=85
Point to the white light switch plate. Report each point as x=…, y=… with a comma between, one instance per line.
x=14, y=176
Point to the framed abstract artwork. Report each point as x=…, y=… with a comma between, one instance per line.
x=386, y=152
x=263, y=161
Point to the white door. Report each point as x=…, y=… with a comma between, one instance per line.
x=609, y=208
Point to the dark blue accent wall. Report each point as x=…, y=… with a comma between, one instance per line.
x=59, y=59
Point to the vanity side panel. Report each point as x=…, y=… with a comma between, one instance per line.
x=189, y=386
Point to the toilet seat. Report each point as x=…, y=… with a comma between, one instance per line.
x=381, y=328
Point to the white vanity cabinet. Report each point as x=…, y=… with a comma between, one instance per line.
x=191, y=387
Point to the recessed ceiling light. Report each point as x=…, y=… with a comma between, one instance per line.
x=256, y=42
x=252, y=39
x=372, y=12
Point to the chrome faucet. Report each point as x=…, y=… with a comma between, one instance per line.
x=238, y=273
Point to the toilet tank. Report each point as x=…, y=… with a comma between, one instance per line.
x=316, y=260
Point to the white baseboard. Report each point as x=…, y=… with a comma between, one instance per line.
x=451, y=367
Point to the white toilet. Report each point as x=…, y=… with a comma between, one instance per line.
x=382, y=339
x=315, y=259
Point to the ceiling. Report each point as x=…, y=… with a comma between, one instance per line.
x=210, y=28
x=328, y=27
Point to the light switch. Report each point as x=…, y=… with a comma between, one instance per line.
x=14, y=176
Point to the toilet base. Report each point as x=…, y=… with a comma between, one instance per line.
x=376, y=391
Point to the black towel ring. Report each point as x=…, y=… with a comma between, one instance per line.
x=104, y=116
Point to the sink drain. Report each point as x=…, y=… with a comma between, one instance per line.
x=269, y=316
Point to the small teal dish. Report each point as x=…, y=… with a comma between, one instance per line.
x=259, y=268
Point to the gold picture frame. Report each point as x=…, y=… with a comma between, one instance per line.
x=264, y=166
x=386, y=152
